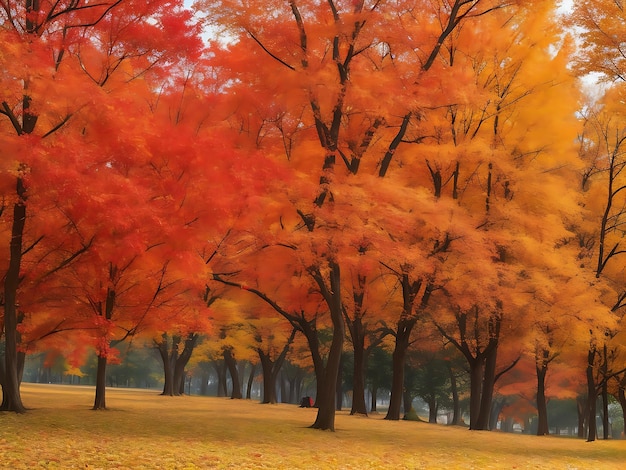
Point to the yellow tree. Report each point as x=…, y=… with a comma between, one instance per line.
x=600, y=235
x=512, y=177
x=601, y=27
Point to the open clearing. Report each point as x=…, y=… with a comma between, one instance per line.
x=143, y=430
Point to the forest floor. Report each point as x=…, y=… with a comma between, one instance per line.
x=143, y=430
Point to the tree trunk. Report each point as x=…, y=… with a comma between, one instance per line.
x=310, y=333
x=398, y=361
x=21, y=361
x=489, y=378
x=542, y=409
x=325, y=419
x=2, y=371
x=168, y=357
x=269, y=379
x=250, y=382
x=374, y=392
x=581, y=408
x=282, y=380
x=591, y=396
x=11, y=398
x=403, y=334
x=432, y=410
x=182, y=382
x=476, y=383
x=605, y=410
x=407, y=400
x=295, y=387
x=231, y=363
x=220, y=370
x=456, y=407
x=357, y=335
x=101, y=375
x=339, y=386
x=358, y=381
x=271, y=369
x=605, y=395
x=181, y=362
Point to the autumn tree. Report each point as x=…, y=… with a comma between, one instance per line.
x=67, y=64
x=511, y=197
x=601, y=146
x=601, y=57
x=36, y=39
x=351, y=81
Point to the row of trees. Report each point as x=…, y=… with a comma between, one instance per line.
x=422, y=172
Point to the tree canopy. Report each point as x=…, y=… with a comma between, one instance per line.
x=252, y=177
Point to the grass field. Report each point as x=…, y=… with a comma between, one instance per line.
x=143, y=430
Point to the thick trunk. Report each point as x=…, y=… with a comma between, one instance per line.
x=11, y=398
x=358, y=380
x=357, y=335
x=181, y=362
x=101, y=375
x=269, y=379
x=591, y=397
x=358, y=385
x=476, y=383
x=231, y=364
x=542, y=409
x=325, y=419
x=489, y=378
x=403, y=334
x=397, y=368
x=339, y=387
x=168, y=358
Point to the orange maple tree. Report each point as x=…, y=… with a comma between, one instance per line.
x=73, y=72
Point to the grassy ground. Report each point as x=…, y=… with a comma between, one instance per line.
x=143, y=430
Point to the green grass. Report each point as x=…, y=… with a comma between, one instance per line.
x=143, y=430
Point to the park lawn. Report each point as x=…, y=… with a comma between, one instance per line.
x=145, y=430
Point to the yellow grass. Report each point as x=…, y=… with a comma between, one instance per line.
x=143, y=430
